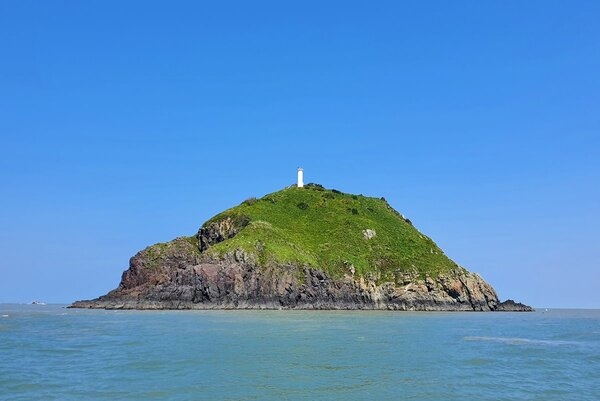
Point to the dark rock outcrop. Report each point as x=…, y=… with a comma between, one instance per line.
x=221, y=230
x=177, y=276
x=511, y=306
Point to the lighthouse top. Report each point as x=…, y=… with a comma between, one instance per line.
x=300, y=177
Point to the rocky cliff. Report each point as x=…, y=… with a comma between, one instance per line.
x=211, y=270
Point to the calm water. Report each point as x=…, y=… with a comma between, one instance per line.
x=52, y=353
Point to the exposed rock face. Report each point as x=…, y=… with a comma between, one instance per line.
x=509, y=306
x=177, y=276
x=368, y=233
x=220, y=231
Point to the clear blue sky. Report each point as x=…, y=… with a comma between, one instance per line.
x=123, y=124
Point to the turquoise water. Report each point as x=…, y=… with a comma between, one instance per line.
x=53, y=353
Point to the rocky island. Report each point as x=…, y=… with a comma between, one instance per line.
x=302, y=248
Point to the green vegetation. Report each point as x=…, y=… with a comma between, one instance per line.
x=156, y=255
x=327, y=229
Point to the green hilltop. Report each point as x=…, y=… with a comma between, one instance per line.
x=332, y=231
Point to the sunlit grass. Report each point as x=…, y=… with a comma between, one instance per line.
x=325, y=229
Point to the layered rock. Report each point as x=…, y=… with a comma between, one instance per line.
x=177, y=275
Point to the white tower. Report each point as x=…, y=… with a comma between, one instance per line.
x=300, y=177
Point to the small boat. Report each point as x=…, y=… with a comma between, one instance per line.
x=36, y=302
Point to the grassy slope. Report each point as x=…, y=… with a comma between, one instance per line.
x=324, y=228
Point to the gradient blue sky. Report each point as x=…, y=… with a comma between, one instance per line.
x=123, y=124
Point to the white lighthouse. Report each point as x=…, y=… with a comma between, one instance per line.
x=300, y=177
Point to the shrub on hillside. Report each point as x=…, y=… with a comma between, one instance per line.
x=317, y=187
x=250, y=201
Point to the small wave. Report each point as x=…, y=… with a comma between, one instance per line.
x=4, y=315
x=519, y=340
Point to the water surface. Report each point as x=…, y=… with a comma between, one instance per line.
x=52, y=353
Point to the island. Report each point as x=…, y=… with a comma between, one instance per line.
x=303, y=247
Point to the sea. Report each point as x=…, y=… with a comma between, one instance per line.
x=49, y=352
